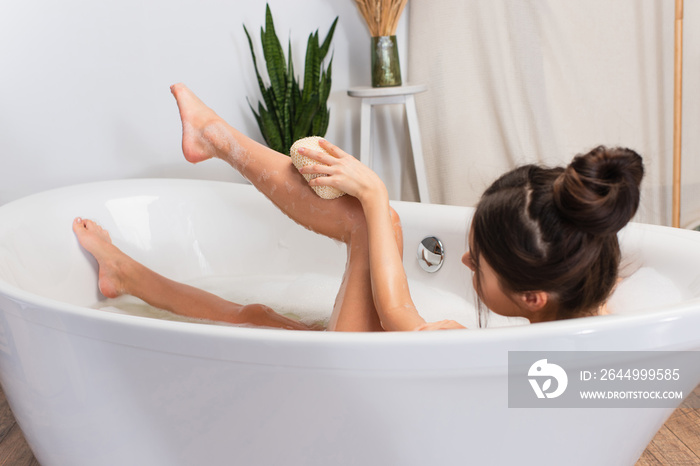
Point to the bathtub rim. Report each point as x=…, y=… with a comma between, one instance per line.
x=36, y=304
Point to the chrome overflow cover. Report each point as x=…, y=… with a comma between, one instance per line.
x=431, y=254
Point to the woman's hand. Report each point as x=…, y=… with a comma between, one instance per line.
x=440, y=325
x=344, y=172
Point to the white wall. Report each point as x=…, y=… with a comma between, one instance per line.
x=84, y=84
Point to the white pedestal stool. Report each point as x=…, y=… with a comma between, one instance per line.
x=393, y=95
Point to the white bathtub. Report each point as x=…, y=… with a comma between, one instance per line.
x=90, y=387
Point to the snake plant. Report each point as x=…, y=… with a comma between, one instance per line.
x=289, y=112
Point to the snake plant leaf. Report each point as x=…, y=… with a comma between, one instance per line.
x=322, y=117
x=270, y=129
x=261, y=84
x=257, y=116
x=327, y=41
x=296, y=94
x=275, y=61
x=302, y=124
x=312, y=66
x=319, y=125
x=288, y=109
x=324, y=87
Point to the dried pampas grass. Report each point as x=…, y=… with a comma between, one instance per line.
x=382, y=16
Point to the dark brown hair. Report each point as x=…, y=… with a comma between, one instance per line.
x=555, y=229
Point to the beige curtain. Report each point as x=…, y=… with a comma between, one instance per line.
x=538, y=81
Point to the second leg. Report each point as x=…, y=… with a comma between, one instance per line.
x=120, y=274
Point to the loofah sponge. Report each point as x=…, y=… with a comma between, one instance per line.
x=326, y=192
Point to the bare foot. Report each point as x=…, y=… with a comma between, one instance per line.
x=203, y=131
x=97, y=242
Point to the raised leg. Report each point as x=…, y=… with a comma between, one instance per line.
x=206, y=135
x=120, y=274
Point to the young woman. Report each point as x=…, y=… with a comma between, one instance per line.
x=543, y=242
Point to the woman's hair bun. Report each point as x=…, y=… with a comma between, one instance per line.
x=599, y=191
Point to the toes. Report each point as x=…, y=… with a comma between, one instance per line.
x=90, y=225
x=81, y=226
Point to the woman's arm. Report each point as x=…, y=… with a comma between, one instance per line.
x=389, y=284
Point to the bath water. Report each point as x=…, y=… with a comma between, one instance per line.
x=307, y=297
